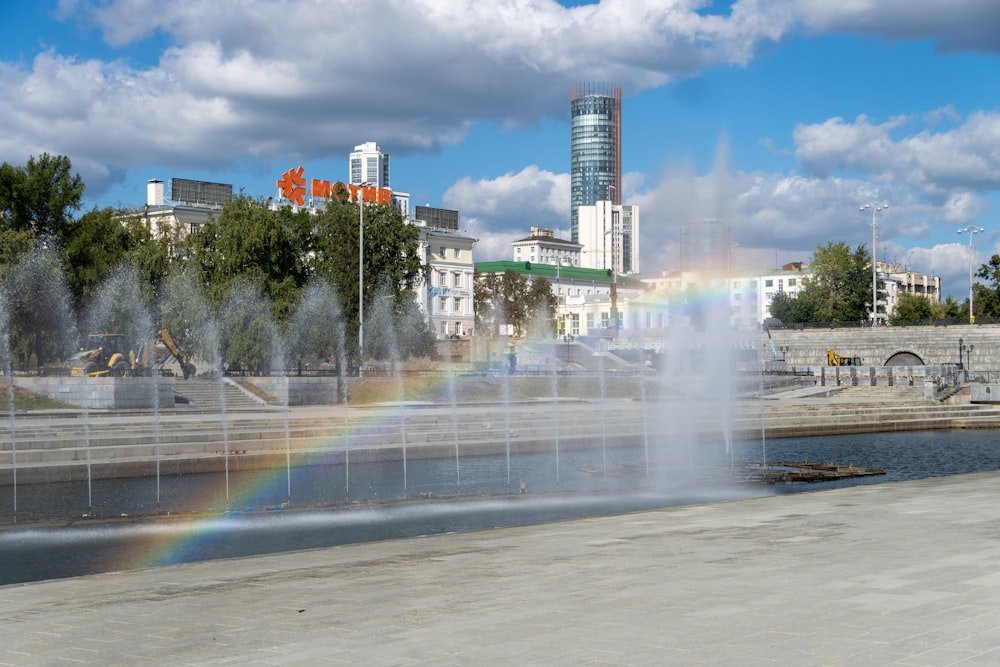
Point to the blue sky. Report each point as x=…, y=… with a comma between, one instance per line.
x=779, y=117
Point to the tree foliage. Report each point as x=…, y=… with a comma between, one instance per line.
x=250, y=243
x=41, y=196
x=392, y=262
x=511, y=299
x=838, y=290
x=912, y=308
x=987, y=297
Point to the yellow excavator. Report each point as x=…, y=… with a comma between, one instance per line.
x=834, y=359
x=108, y=354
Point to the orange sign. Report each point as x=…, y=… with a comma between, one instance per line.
x=292, y=186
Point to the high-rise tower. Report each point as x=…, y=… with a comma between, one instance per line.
x=595, y=147
x=370, y=165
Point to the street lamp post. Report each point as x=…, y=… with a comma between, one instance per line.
x=971, y=230
x=875, y=207
x=361, y=277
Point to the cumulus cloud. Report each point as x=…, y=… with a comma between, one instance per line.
x=964, y=156
x=303, y=80
x=956, y=25
x=500, y=210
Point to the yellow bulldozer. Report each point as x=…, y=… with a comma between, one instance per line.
x=834, y=359
x=108, y=354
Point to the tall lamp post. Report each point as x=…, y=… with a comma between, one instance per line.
x=875, y=207
x=971, y=230
x=361, y=276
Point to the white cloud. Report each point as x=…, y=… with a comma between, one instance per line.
x=966, y=156
x=296, y=79
x=956, y=25
x=497, y=211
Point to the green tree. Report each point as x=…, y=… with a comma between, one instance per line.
x=96, y=245
x=948, y=310
x=40, y=315
x=392, y=262
x=791, y=309
x=511, y=299
x=249, y=243
x=838, y=290
x=987, y=296
x=541, y=306
x=912, y=308
x=40, y=196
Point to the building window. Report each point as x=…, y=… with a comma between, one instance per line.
x=443, y=305
x=443, y=278
x=457, y=279
x=605, y=320
x=441, y=251
x=590, y=322
x=458, y=305
x=458, y=253
x=768, y=283
x=444, y=328
x=791, y=282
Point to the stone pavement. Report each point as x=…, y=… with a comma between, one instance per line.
x=905, y=574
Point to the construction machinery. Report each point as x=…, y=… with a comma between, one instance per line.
x=834, y=359
x=108, y=354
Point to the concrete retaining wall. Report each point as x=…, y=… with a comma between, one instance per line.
x=300, y=390
x=104, y=392
x=984, y=393
x=934, y=345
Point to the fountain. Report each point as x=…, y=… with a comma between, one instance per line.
x=6, y=367
x=549, y=442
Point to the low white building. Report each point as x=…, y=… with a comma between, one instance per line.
x=166, y=215
x=586, y=298
x=541, y=246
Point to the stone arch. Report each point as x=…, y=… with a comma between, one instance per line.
x=904, y=358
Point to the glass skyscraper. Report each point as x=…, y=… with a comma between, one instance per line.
x=595, y=148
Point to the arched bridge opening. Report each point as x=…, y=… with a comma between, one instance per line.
x=904, y=358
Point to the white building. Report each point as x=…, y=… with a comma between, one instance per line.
x=368, y=164
x=446, y=300
x=586, y=298
x=788, y=280
x=609, y=234
x=167, y=216
x=541, y=246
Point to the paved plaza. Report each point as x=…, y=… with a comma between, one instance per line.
x=903, y=573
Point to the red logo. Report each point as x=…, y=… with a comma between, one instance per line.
x=293, y=186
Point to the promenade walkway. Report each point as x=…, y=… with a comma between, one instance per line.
x=902, y=573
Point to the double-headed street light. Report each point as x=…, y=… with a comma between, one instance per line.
x=875, y=207
x=971, y=230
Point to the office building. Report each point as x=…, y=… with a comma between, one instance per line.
x=595, y=148
x=609, y=234
x=369, y=165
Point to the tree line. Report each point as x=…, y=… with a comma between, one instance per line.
x=278, y=255
x=838, y=289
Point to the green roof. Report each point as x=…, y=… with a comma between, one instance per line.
x=551, y=271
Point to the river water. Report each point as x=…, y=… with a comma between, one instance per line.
x=71, y=529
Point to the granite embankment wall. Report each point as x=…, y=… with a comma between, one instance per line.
x=878, y=346
x=104, y=392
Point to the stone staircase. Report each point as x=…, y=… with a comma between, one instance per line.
x=203, y=395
